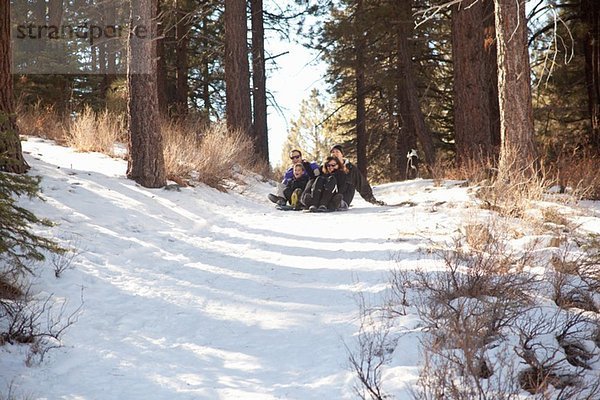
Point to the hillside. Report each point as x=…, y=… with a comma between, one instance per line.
x=199, y=294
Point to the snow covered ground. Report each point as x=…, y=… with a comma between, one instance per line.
x=199, y=294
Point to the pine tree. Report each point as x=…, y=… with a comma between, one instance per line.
x=19, y=246
x=473, y=116
x=518, y=151
x=259, y=80
x=10, y=145
x=237, y=73
x=146, y=163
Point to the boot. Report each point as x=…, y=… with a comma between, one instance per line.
x=295, y=199
x=336, y=201
x=280, y=201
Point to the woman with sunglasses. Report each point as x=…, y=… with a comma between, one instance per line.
x=323, y=193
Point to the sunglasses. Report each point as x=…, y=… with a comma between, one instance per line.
x=294, y=157
x=332, y=165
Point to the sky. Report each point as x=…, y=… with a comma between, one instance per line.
x=197, y=294
x=297, y=73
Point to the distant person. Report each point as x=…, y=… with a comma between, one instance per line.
x=356, y=180
x=294, y=188
x=324, y=192
x=311, y=170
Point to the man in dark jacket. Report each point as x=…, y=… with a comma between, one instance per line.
x=356, y=180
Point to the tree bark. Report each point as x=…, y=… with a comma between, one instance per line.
x=11, y=154
x=161, y=66
x=414, y=116
x=518, y=150
x=472, y=125
x=237, y=74
x=146, y=160
x=590, y=11
x=259, y=87
x=182, y=27
x=490, y=50
x=359, y=70
x=205, y=68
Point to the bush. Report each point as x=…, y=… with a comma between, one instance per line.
x=92, y=131
x=211, y=155
x=581, y=177
x=41, y=121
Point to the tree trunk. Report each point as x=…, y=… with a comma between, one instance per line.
x=590, y=11
x=414, y=115
x=361, y=113
x=182, y=27
x=11, y=155
x=472, y=125
x=491, y=73
x=146, y=160
x=259, y=91
x=205, y=68
x=406, y=139
x=518, y=150
x=237, y=74
x=161, y=66
x=55, y=12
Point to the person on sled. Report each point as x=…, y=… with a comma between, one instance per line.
x=324, y=193
x=355, y=181
x=311, y=170
x=294, y=188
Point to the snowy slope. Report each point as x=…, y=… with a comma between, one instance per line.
x=199, y=294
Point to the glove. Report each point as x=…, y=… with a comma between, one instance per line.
x=373, y=200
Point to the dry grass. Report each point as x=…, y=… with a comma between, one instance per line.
x=581, y=177
x=194, y=150
x=211, y=155
x=8, y=290
x=473, y=171
x=41, y=121
x=514, y=190
x=96, y=131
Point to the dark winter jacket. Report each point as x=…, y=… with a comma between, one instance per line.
x=294, y=184
x=356, y=182
x=321, y=190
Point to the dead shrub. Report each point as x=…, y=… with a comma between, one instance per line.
x=576, y=298
x=211, y=155
x=474, y=171
x=551, y=215
x=537, y=380
x=374, y=349
x=96, y=131
x=476, y=295
x=9, y=291
x=589, y=263
x=513, y=190
x=478, y=236
x=552, y=347
x=467, y=309
x=580, y=176
x=39, y=324
x=41, y=121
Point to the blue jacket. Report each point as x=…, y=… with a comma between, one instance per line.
x=311, y=170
